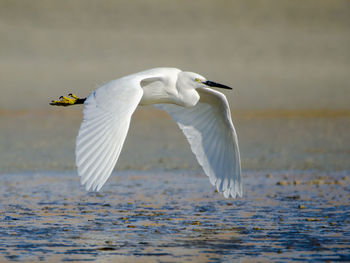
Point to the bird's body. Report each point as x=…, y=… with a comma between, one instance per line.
x=202, y=114
x=160, y=88
x=160, y=85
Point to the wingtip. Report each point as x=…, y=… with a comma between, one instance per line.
x=226, y=194
x=84, y=183
x=87, y=187
x=234, y=192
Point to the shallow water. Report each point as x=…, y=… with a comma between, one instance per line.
x=175, y=216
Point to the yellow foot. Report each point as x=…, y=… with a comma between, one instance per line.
x=65, y=101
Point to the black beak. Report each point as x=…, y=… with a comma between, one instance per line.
x=214, y=84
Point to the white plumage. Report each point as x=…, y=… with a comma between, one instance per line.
x=202, y=114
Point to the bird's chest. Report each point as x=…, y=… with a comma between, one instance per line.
x=155, y=94
x=188, y=98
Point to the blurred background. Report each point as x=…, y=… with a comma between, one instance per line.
x=288, y=62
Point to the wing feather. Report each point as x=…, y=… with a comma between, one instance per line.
x=208, y=128
x=90, y=132
x=111, y=161
x=106, y=161
x=106, y=119
x=92, y=150
x=95, y=158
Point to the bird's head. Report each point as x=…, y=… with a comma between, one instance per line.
x=194, y=80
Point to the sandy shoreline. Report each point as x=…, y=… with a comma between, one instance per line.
x=39, y=140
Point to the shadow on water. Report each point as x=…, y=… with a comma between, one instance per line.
x=175, y=216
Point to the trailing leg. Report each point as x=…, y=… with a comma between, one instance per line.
x=66, y=101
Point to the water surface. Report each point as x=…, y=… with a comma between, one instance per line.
x=175, y=216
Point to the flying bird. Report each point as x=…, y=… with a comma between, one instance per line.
x=202, y=113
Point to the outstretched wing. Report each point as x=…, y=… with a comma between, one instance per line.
x=208, y=128
x=106, y=120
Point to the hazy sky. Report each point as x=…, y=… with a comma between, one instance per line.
x=275, y=54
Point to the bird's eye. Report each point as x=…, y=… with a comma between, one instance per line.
x=197, y=80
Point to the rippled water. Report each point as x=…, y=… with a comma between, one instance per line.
x=175, y=216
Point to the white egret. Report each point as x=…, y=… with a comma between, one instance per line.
x=203, y=114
